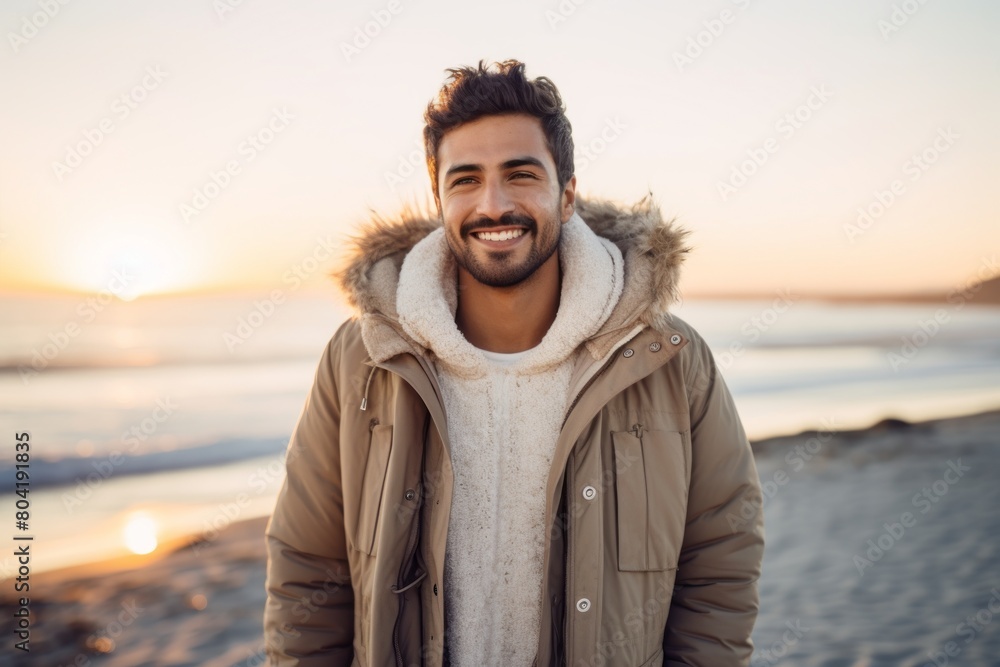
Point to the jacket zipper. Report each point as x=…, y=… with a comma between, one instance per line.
x=556, y=622
x=583, y=390
x=569, y=485
x=408, y=556
x=569, y=554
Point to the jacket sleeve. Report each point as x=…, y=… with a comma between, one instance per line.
x=309, y=614
x=715, y=598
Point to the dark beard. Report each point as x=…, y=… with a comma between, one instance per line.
x=501, y=272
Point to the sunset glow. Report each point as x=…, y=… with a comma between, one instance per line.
x=140, y=534
x=851, y=151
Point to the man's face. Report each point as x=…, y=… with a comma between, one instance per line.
x=500, y=198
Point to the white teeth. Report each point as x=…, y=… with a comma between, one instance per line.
x=505, y=235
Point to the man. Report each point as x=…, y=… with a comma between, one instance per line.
x=514, y=455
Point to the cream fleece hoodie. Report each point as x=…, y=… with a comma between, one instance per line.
x=503, y=422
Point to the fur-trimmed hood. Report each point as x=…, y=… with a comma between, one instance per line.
x=653, y=249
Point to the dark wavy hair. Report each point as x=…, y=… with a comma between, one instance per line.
x=474, y=92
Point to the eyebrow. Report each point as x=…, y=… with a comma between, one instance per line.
x=509, y=164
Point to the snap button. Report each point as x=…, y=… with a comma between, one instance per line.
x=628, y=353
x=410, y=494
x=589, y=493
x=675, y=340
x=583, y=604
x=654, y=347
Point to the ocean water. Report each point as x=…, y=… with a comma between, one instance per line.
x=179, y=409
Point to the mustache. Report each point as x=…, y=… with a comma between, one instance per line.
x=507, y=219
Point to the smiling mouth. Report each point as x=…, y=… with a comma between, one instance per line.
x=505, y=235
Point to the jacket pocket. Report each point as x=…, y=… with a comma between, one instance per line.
x=372, y=487
x=651, y=480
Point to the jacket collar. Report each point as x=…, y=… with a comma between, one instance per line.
x=591, y=284
x=653, y=250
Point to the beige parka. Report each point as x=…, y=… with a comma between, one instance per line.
x=654, y=546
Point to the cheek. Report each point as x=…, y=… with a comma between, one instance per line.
x=452, y=234
x=452, y=229
x=453, y=213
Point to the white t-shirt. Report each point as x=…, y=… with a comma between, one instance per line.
x=505, y=358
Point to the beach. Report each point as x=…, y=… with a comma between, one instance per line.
x=200, y=604
x=882, y=550
x=198, y=196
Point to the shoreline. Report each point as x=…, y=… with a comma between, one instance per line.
x=886, y=425
x=835, y=443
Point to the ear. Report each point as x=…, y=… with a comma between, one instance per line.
x=567, y=200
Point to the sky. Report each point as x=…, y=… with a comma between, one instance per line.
x=230, y=145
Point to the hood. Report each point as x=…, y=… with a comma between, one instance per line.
x=653, y=249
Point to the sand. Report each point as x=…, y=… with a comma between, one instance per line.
x=927, y=496
x=201, y=604
x=924, y=591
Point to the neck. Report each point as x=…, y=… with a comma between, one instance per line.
x=509, y=319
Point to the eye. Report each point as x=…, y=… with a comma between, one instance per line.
x=523, y=173
x=460, y=181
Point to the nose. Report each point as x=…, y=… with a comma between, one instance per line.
x=494, y=201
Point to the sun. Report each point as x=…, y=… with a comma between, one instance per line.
x=139, y=533
x=128, y=258
x=127, y=266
